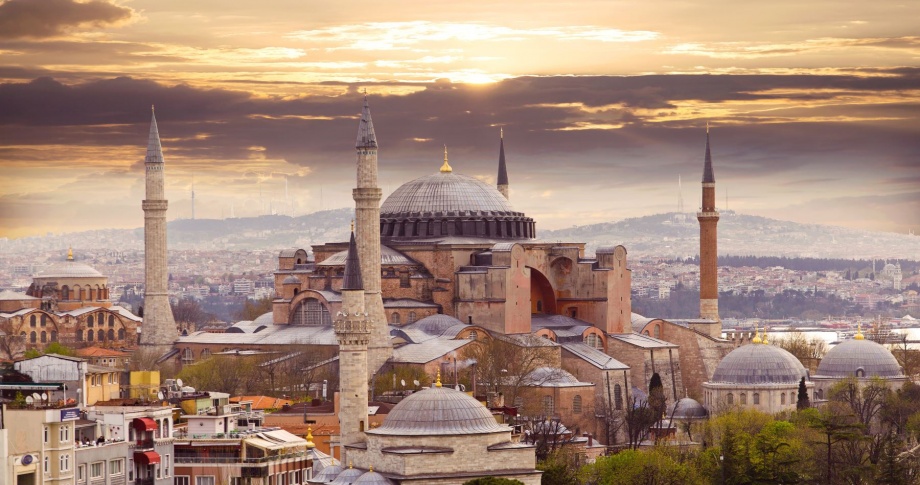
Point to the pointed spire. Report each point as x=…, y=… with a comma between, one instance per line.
x=154, y=150
x=708, y=176
x=765, y=340
x=366, y=136
x=502, y=168
x=446, y=167
x=352, y=278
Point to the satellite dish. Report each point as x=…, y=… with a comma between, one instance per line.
x=457, y=387
x=403, y=382
x=44, y=396
x=36, y=396
x=416, y=382
x=29, y=399
x=462, y=388
x=179, y=382
x=160, y=395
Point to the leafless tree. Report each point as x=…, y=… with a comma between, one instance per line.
x=505, y=364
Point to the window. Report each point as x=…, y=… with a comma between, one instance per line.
x=33, y=337
x=65, y=462
x=205, y=354
x=782, y=398
x=295, y=477
x=117, y=467
x=81, y=473
x=188, y=355
x=617, y=397
x=32, y=321
x=166, y=465
x=412, y=318
x=743, y=398
x=47, y=435
x=474, y=335
x=112, y=321
x=89, y=321
x=47, y=464
x=101, y=335
x=96, y=470
x=65, y=433
x=756, y=398
x=730, y=398
x=89, y=335
x=121, y=334
x=44, y=320
x=394, y=318
x=576, y=404
x=44, y=336
x=208, y=480
x=311, y=311
x=657, y=331
x=549, y=407
x=80, y=335
x=159, y=470
x=181, y=480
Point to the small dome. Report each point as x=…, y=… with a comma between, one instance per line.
x=444, y=192
x=551, y=377
x=435, y=324
x=439, y=411
x=373, y=478
x=69, y=269
x=850, y=356
x=759, y=364
x=327, y=475
x=348, y=476
x=291, y=280
x=689, y=408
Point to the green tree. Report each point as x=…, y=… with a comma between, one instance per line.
x=253, y=309
x=655, y=466
x=230, y=374
x=802, y=402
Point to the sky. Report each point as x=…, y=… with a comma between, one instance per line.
x=814, y=106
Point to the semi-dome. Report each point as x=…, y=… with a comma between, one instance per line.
x=450, y=204
x=438, y=411
x=859, y=358
x=291, y=280
x=759, y=364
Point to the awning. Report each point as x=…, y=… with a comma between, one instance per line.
x=144, y=424
x=146, y=457
x=263, y=444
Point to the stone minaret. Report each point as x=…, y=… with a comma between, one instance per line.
x=159, y=328
x=367, y=218
x=709, y=218
x=353, y=332
x=502, y=180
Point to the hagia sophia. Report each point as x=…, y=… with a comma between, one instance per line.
x=443, y=263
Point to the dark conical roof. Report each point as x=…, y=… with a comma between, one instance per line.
x=708, y=176
x=352, y=279
x=502, y=169
x=154, y=150
x=366, y=136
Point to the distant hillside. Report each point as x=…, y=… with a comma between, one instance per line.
x=677, y=235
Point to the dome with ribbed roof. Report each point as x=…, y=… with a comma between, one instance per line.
x=759, y=364
x=451, y=204
x=850, y=357
x=689, y=408
x=435, y=324
x=327, y=475
x=69, y=269
x=373, y=478
x=439, y=411
x=348, y=476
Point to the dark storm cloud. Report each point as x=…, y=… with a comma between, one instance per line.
x=47, y=18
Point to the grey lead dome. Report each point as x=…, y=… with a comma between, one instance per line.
x=444, y=192
x=849, y=356
x=759, y=364
x=439, y=411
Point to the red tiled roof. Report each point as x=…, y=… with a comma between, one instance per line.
x=263, y=402
x=99, y=352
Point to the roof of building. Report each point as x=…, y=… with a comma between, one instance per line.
x=642, y=340
x=69, y=269
x=373, y=478
x=263, y=402
x=502, y=178
x=426, y=351
x=366, y=136
x=291, y=280
x=850, y=356
x=689, y=408
x=388, y=257
x=269, y=335
x=759, y=364
x=407, y=303
x=348, y=476
x=593, y=356
x=352, y=278
x=445, y=192
x=327, y=475
x=7, y=295
x=708, y=175
x=439, y=411
x=552, y=377
x=435, y=324
x=99, y=352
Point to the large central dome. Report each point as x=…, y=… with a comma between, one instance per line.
x=445, y=192
x=448, y=204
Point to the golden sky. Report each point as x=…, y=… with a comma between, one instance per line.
x=813, y=105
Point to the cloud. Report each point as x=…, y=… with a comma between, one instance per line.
x=754, y=50
x=49, y=18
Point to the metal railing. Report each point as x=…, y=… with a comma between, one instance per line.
x=237, y=459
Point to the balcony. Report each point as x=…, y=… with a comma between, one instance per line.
x=236, y=459
x=146, y=444
x=145, y=481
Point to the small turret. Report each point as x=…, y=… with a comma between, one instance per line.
x=502, y=180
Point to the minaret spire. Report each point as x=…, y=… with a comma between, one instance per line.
x=159, y=328
x=367, y=197
x=709, y=270
x=708, y=176
x=502, y=180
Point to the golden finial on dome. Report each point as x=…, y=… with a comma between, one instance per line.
x=437, y=382
x=501, y=132
x=351, y=464
x=859, y=335
x=372, y=469
x=310, y=443
x=69, y=254
x=764, y=340
x=352, y=225
x=756, y=339
x=446, y=167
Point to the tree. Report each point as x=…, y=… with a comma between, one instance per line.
x=505, y=364
x=230, y=374
x=560, y=467
x=802, y=402
x=188, y=310
x=638, y=417
x=11, y=343
x=657, y=402
x=253, y=309
x=804, y=349
x=628, y=467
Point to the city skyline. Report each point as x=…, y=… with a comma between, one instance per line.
x=603, y=106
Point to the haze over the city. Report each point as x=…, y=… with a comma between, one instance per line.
x=813, y=106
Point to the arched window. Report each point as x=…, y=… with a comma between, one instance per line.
x=782, y=398
x=205, y=354
x=539, y=306
x=89, y=321
x=657, y=330
x=89, y=335
x=111, y=334
x=111, y=321
x=394, y=318
x=743, y=397
x=549, y=407
x=576, y=404
x=860, y=372
x=65, y=292
x=474, y=335
x=121, y=334
x=32, y=321
x=188, y=356
x=80, y=335
x=54, y=335
x=820, y=394
x=311, y=311
x=730, y=398
x=44, y=336
x=33, y=337
x=756, y=398
x=101, y=335
x=618, y=397
x=412, y=318
x=44, y=320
